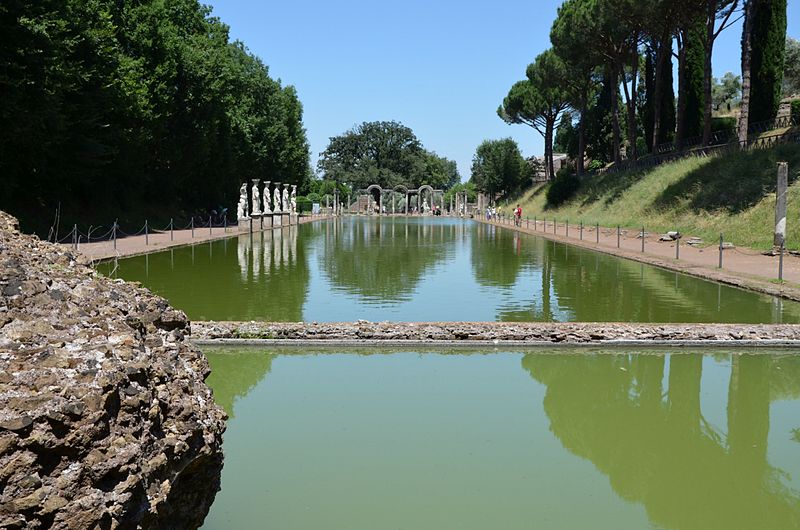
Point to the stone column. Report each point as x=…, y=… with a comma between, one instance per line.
x=780, y=205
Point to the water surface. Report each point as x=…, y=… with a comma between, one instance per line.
x=510, y=440
x=430, y=269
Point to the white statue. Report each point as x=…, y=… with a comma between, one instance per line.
x=241, y=210
x=294, y=199
x=276, y=198
x=285, y=198
x=267, y=198
x=256, y=209
x=425, y=207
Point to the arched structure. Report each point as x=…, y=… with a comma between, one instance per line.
x=407, y=193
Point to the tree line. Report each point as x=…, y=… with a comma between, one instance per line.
x=130, y=109
x=611, y=65
x=386, y=153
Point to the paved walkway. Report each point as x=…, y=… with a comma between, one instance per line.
x=741, y=267
x=137, y=245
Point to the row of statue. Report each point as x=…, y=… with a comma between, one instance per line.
x=282, y=202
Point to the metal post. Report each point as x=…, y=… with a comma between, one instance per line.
x=171, y=230
x=534, y=223
x=555, y=226
x=567, y=225
x=225, y=224
x=618, y=234
x=146, y=235
x=251, y=225
x=597, y=232
x=209, y=224
x=75, y=237
x=581, y=230
x=642, y=239
x=114, y=229
x=720, y=250
x=527, y=222
x=780, y=263
x=678, y=248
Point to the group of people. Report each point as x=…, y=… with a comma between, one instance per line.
x=492, y=213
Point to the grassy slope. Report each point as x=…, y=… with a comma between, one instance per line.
x=733, y=194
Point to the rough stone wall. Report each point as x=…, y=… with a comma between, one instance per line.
x=533, y=333
x=105, y=419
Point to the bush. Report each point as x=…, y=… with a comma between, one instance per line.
x=304, y=205
x=595, y=165
x=796, y=108
x=314, y=197
x=564, y=186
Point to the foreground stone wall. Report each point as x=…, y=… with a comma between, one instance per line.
x=105, y=421
x=532, y=333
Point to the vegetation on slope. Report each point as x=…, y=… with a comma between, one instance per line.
x=732, y=194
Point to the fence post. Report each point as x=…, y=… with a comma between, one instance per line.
x=209, y=225
x=780, y=204
x=192, y=227
x=534, y=224
x=555, y=226
x=618, y=234
x=75, y=237
x=171, y=230
x=678, y=248
x=597, y=232
x=720, y=250
x=114, y=228
x=146, y=235
x=581, y=230
x=567, y=227
x=642, y=239
x=225, y=224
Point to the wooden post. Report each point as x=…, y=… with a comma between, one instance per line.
x=780, y=205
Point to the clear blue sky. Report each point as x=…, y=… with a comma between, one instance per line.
x=440, y=67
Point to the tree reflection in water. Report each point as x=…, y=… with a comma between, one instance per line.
x=661, y=452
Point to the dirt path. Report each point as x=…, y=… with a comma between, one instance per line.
x=137, y=245
x=741, y=267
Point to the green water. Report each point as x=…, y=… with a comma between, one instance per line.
x=430, y=269
x=508, y=440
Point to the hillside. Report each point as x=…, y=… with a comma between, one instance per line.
x=732, y=193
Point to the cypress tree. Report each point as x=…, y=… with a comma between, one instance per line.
x=693, y=84
x=768, y=49
x=666, y=131
x=648, y=110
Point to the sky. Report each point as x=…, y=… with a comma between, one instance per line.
x=440, y=67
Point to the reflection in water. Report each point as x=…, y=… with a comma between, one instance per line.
x=663, y=453
x=468, y=440
x=430, y=269
x=383, y=259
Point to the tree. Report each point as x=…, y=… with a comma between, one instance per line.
x=727, y=91
x=581, y=80
x=721, y=10
x=566, y=140
x=768, y=47
x=498, y=166
x=791, y=69
x=539, y=101
x=691, y=61
x=385, y=153
x=747, y=53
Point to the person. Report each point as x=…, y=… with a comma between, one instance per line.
x=517, y=216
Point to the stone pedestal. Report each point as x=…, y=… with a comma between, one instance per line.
x=267, y=219
x=277, y=219
x=285, y=219
x=244, y=224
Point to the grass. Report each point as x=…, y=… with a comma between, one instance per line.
x=732, y=194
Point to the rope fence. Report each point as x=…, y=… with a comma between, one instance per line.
x=114, y=232
x=554, y=226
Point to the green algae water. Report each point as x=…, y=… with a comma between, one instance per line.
x=430, y=269
x=507, y=440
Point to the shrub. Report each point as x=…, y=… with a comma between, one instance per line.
x=796, y=109
x=303, y=205
x=564, y=186
x=314, y=197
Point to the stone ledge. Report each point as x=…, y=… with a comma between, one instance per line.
x=491, y=333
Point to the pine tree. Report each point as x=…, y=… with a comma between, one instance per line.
x=768, y=50
x=693, y=83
